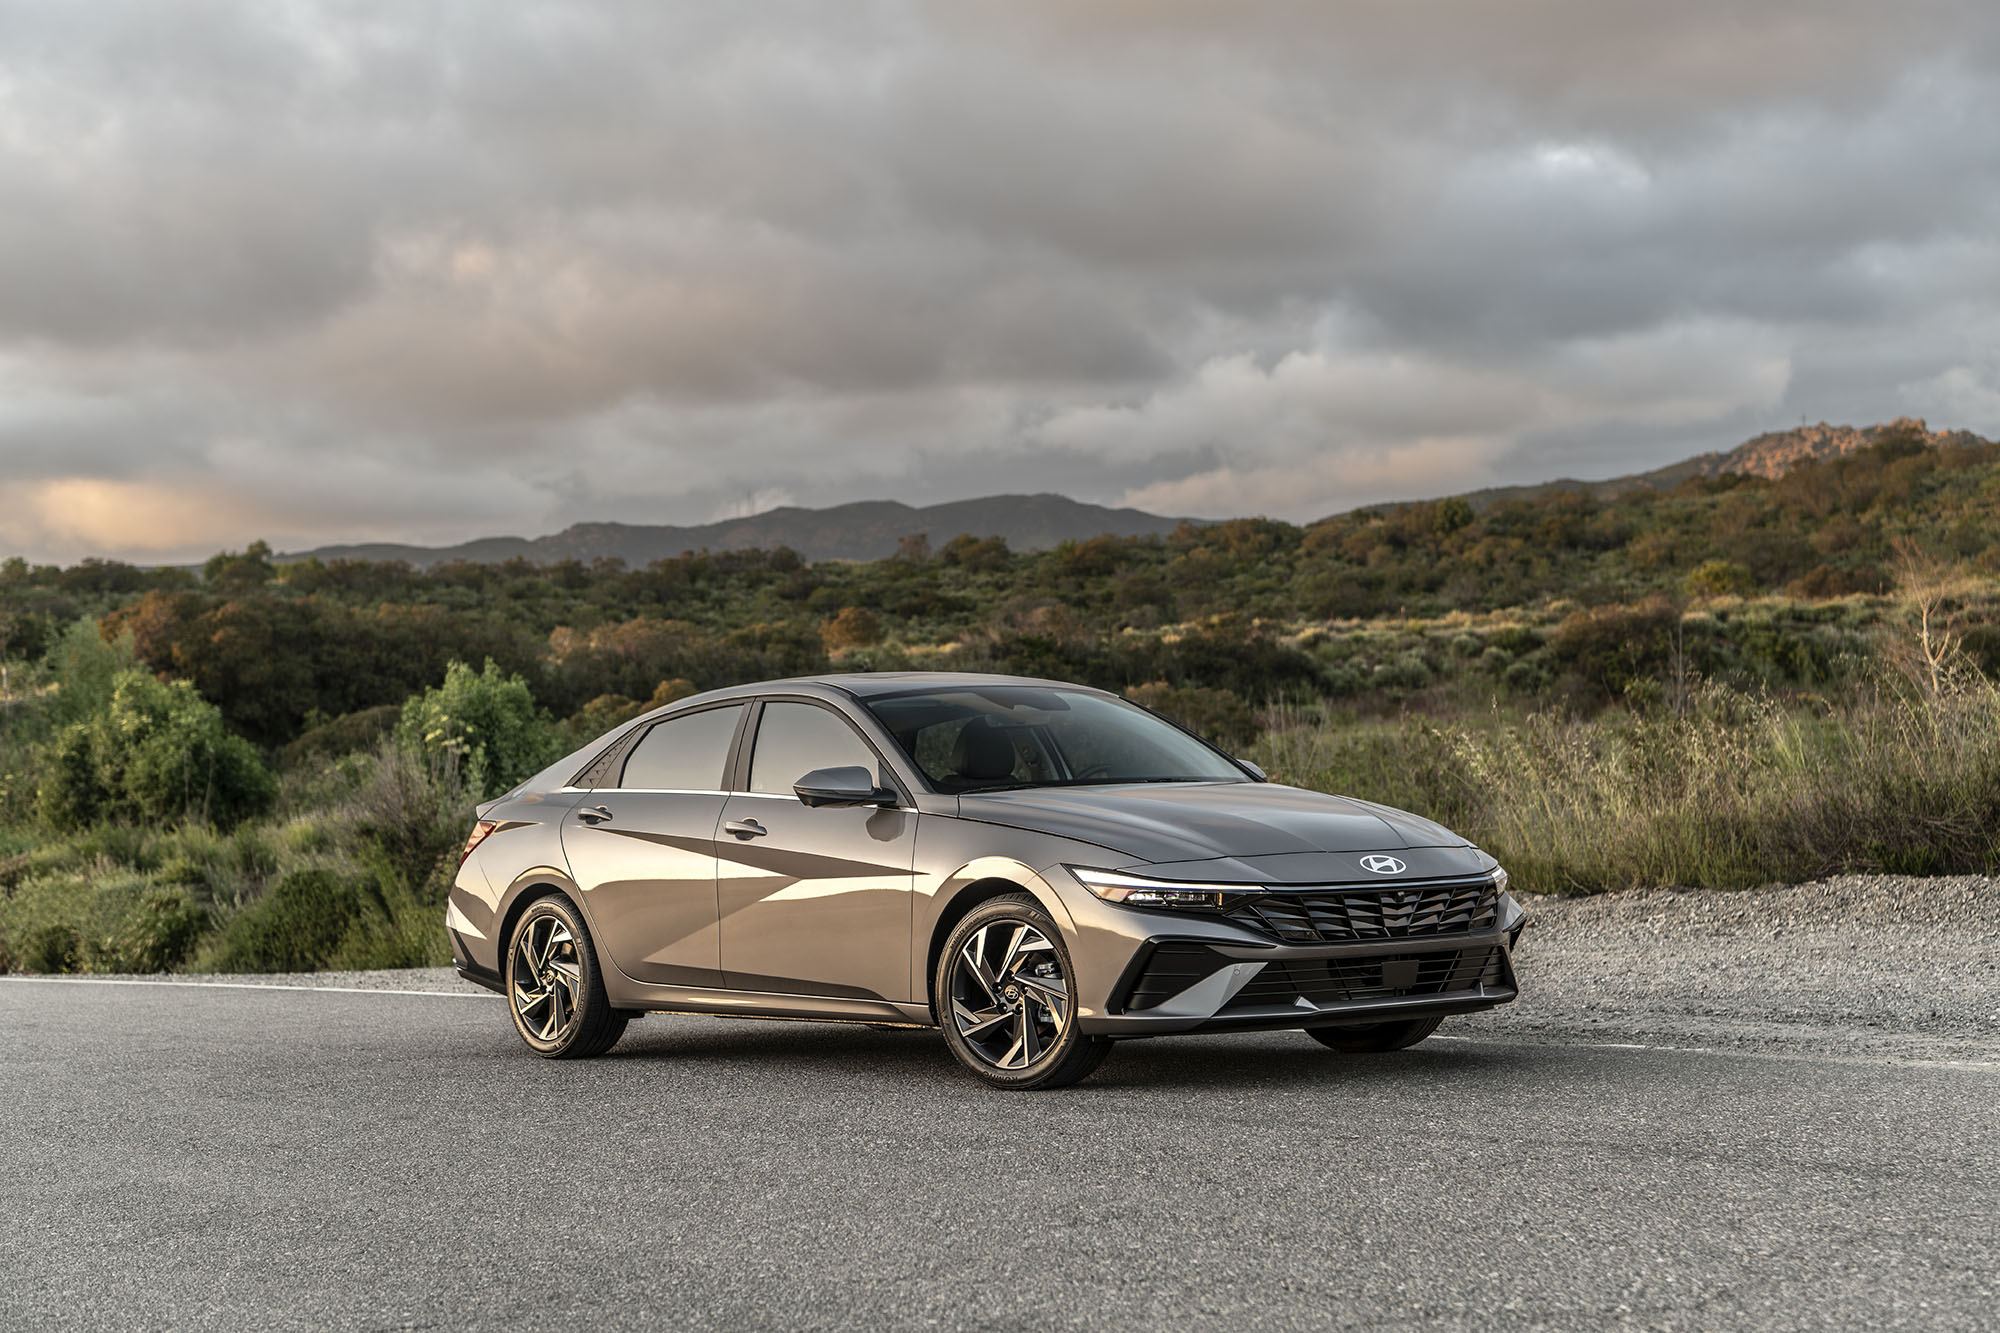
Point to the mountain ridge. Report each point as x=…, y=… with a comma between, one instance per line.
x=872, y=529
x=1769, y=455
x=860, y=530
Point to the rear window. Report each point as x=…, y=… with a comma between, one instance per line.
x=684, y=753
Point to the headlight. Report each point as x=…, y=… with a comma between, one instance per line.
x=1500, y=878
x=1116, y=886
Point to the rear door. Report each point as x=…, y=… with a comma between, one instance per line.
x=813, y=901
x=642, y=848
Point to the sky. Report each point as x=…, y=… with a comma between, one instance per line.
x=430, y=271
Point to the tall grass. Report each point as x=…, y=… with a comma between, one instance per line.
x=1731, y=791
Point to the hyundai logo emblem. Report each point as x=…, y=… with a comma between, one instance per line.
x=1383, y=865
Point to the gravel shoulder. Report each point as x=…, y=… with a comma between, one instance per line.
x=1861, y=966
x=1867, y=966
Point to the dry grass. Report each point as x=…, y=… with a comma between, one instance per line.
x=1733, y=791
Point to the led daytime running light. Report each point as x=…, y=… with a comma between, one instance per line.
x=1138, y=891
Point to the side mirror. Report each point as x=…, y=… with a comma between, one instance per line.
x=849, y=784
x=1254, y=770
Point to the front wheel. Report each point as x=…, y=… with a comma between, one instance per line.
x=554, y=990
x=1004, y=990
x=1376, y=1036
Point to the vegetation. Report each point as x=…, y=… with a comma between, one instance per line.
x=272, y=765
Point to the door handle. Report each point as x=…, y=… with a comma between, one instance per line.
x=746, y=828
x=595, y=814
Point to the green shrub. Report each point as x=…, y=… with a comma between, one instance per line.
x=86, y=667
x=296, y=927
x=1218, y=715
x=100, y=920
x=1718, y=578
x=346, y=734
x=1405, y=672
x=489, y=720
x=158, y=752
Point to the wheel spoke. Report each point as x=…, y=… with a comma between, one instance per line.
x=972, y=956
x=570, y=973
x=1011, y=1058
x=1013, y=952
x=558, y=1016
x=1053, y=1006
x=1031, y=1036
x=1033, y=984
x=972, y=1023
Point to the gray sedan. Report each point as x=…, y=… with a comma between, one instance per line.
x=1036, y=869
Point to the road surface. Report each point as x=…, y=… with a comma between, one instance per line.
x=200, y=1156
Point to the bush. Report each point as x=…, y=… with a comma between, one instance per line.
x=98, y=920
x=1827, y=581
x=86, y=666
x=854, y=627
x=158, y=752
x=349, y=733
x=1217, y=715
x=489, y=720
x=296, y=927
x=1718, y=578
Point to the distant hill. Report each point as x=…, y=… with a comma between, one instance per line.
x=1771, y=454
x=865, y=530
x=870, y=529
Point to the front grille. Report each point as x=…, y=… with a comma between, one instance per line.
x=1175, y=965
x=1333, y=916
x=1331, y=981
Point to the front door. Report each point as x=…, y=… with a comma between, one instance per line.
x=813, y=901
x=643, y=851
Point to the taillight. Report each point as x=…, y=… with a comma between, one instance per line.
x=477, y=836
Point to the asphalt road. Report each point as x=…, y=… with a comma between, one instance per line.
x=204, y=1157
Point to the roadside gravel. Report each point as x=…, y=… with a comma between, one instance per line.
x=1864, y=966
x=1859, y=965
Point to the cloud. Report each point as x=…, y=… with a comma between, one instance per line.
x=322, y=272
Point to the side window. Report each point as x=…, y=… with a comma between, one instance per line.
x=794, y=739
x=684, y=753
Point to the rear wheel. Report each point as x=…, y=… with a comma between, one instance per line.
x=1376, y=1036
x=554, y=989
x=1004, y=989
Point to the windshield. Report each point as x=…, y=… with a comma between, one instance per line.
x=997, y=737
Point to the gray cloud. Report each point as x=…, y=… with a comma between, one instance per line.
x=319, y=272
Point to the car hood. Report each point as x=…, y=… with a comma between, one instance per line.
x=1164, y=823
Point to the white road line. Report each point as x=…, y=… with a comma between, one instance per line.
x=244, y=985
x=1811, y=1057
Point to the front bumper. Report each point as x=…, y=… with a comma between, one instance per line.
x=1186, y=973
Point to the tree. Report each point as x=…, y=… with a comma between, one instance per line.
x=854, y=627
x=155, y=751
x=489, y=719
x=236, y=572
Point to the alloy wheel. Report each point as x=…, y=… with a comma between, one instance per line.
x=546, y=979
x=1009, y=996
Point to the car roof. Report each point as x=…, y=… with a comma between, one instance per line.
x=871, y=684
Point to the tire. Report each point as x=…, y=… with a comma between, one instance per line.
x=1376, y=1036
x=1003, y=990
x=551, y=961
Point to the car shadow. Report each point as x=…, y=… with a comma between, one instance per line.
x=1234, y=1061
